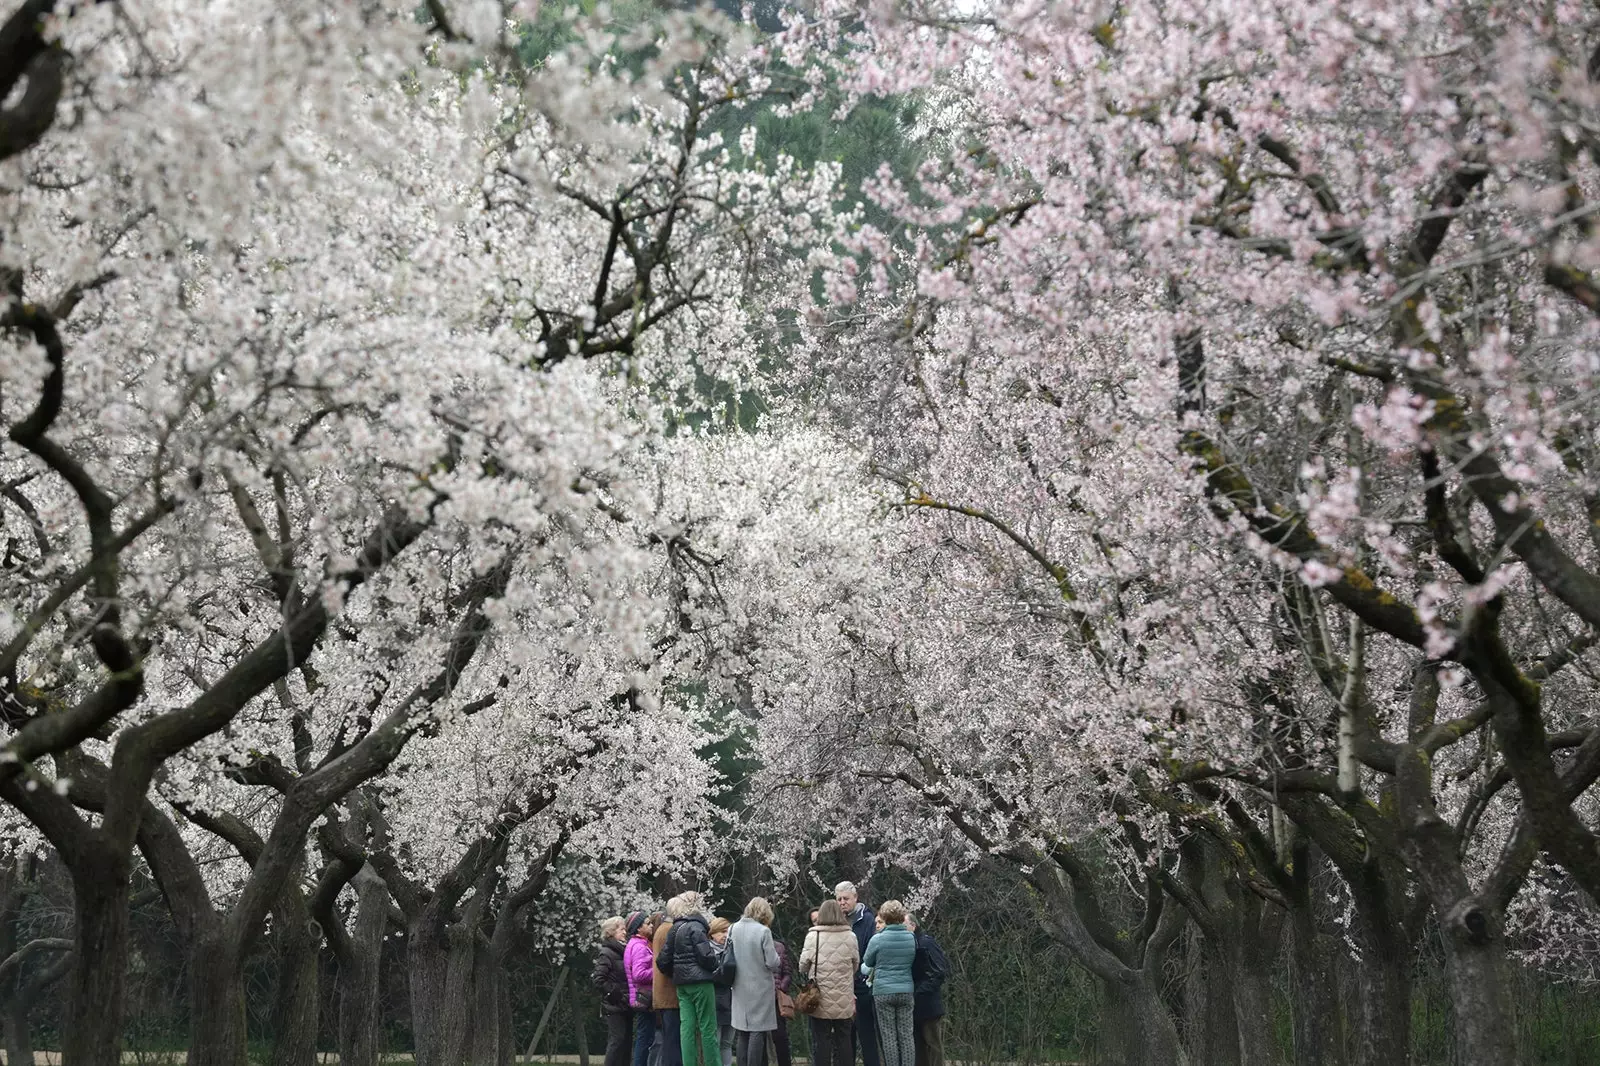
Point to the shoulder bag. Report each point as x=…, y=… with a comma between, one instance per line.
x=807, y=998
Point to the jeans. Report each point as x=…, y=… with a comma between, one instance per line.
x=671, y=1042
x=930, y=1042
x=644, y=1036
x=831, y=1040
x=619, y=1037
x=895, y=1029
x=750, y=1049
x=697, y=1020
x=865, y=1033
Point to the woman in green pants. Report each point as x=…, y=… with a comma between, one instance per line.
x=689, y=959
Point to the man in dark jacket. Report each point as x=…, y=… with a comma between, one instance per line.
x=863, y=923
x=928, y=970
x=690, y=961
x=611, y=978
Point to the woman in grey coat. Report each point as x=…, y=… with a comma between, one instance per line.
x=755, y=1001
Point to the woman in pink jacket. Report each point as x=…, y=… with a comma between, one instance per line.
x=638, y=959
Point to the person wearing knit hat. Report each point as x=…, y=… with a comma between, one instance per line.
x=638, y=960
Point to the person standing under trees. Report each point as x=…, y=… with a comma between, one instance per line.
x=830, y=956
x=928, y=970
x=723, y=979
x=861, y=920
x=784, y=986
x=888, y=960
x=664, y=991
x=755, y=1003
x=611, y=978
x=637, y=961
x=690, y=962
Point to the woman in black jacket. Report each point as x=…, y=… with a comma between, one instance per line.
x=611, y=978
x=690, y=961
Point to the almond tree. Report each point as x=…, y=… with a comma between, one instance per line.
x=1259, y=334
x=325, y=322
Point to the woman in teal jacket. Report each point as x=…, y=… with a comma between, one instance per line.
x=887, y=965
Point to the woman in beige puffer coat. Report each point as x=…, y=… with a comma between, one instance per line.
x=830, y=958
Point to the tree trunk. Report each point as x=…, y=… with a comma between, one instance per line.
x=14, y=1028
x=1252, y=1008
x=18, y=1032
x=295, y=1009
x=1253, y=951
x=1313, y=983
x=216, y=999
x=1471, y=926
x=508, y=1049
x=1115, y=1025
x=359, y=1022
x=1318, y=1033
x=486, y=981
x=1476, y=966
x=1383, y=1032
x=92, y=1027
x=1219, y=1022
x=1152, y=1038
x=427, y=961
x=441, y=996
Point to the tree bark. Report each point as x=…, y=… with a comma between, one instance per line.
x=101, y=882
x=1471, y=925
x=1254, y=951
x=14, y=1028
x=1210, y=1025
x=359, y=1036
x=1115, y=1025
x=1152, y=1037
x=1383, y=1030
x=486, y=981
x=1318, y=1026
x=440, y=966
x=296, y=1007
x=217, y=1034
x=18, y=1030
x=508, y=1048
x=1476, y=966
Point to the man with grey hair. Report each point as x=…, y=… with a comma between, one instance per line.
x=863, y=925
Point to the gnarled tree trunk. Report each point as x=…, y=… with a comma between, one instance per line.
x=295, y=1007
x=1260, y=931
x=217, y=1034
x=1383, y=1025
x=359, y=1036
x=1153, y=1038
x=101, y=882
x=1318, y=1026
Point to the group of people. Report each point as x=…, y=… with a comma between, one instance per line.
x=681, y=988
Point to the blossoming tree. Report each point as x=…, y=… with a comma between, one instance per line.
x=1237, y=365
x=332, y=342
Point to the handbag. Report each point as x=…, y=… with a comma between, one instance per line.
x=785, y=1004
x=727, y=968
x=808, y=1000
